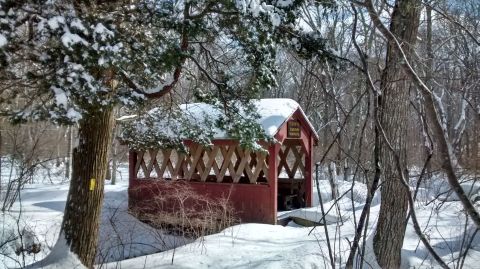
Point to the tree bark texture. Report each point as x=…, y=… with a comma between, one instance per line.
x=90, y=158
x=445, y=150
x=393, y=115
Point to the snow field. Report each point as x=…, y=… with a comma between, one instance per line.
x=126, y=242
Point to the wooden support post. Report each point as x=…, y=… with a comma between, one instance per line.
x=308, y=172
x=132, y=175
x=273, y=151
x=132, y=159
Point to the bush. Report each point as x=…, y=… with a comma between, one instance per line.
x=178, y=209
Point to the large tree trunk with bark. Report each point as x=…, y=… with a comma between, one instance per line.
x=90, y=158
x=393, y=115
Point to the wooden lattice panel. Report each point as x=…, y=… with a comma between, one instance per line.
x=291, y=160
x=216, y=163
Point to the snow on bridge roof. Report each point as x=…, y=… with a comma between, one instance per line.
x=273, y=113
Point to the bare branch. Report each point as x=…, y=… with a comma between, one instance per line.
x=445, y=148
x=452, y=20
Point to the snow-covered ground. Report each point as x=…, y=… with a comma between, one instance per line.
x=126, y=242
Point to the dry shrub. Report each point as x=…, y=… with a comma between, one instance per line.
x=175, y=207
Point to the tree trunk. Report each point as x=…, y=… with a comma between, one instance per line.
x=82, y=213
x=393, y=115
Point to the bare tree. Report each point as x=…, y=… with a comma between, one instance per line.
x=393, y=114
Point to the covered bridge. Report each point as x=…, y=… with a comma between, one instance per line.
x=257, y=184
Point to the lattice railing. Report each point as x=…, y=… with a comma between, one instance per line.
x=291, y=161
x=219, y=163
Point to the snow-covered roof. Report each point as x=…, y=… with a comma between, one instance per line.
x=273, y=113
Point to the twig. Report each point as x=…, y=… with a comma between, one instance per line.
x=445, y=148
x=332, y=261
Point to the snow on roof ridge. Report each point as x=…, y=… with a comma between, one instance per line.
x=274, y=112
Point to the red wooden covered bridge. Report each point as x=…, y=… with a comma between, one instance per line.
x=257, y=184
